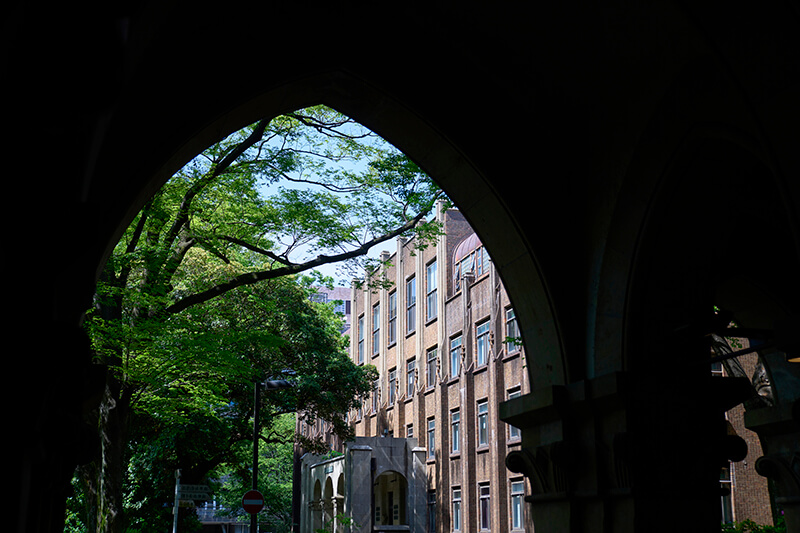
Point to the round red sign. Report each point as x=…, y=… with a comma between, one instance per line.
x=252, y=501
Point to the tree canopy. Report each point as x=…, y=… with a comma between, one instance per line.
x=202, y=296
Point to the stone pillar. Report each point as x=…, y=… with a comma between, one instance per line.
x=613, y=455
x=417, y=500
x=778, y=429
x=338, y=509
x=358, y=494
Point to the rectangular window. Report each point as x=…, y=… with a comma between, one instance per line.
x=360, y=328
x=411, y=305
x=512, y=330
x=430, y=295
x=411, y=369
x=455, y=356
x=483, y=507
x=391, y=333
x=431, y=438
x=376, y=329
x=481, y=261
x=514, y=432
x=517, y=494
x=483, y=423
x=455, y=431
x=392, y=386
x=410, y=431
x=432, y=360
x=456, y=509
x=467, y=265
x=482, y=343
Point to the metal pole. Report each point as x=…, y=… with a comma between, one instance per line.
x=177, y=501
x=272, y=384
x=254, y=516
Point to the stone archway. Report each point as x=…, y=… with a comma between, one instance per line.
x=316, y=506
x=328, y=504
x=464, y=183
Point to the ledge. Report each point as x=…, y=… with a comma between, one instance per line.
x=552, y=403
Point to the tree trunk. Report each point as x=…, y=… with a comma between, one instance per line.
x=103, y=478
x=114, y=414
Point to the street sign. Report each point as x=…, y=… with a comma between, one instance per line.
x=194, y=492
x=252, y=501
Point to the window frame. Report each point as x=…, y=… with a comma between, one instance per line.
x=431, y=508
x=482, y=338
x=431, y=362
x=516, y=497
x=484, y=507
x=482, y=421
x=512, y=330
x=411, y=369
x=455, y=355
x=431, y=286
x=411, y=304
x=360, y=333
x=376, y=329
x=514, y=433
x=391, y=326
x=455, y=431
x=456, y=508
x=431, y=438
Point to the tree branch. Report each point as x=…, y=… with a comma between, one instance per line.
x=256, y=249
x=183, y=213
x=255, y=277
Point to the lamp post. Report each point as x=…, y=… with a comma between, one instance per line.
x=273, y=384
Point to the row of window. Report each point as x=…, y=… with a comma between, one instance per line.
x=475, y=263
x=482, y=421
x=482, y=426
x=482, y=341
x=517, y=494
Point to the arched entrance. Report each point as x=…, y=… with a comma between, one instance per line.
x=464, y=183
x=317, y=507
x=390, y=501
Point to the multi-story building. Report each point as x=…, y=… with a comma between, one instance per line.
x=444, y=339
x=340, y=297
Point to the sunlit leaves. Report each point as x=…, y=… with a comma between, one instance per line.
x=198, y=301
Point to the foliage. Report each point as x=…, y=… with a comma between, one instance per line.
x=74, y=519
x=274, y=480
x=748, y=526
x=341, y=519
x=202, y=298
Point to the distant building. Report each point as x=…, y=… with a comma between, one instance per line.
x=340, y=296
x=444, y=339
x=745, y=493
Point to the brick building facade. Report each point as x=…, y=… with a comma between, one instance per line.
x=438, y=338
x=441, y=339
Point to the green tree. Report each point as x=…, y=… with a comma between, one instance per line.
x=199, y=301
x=275, y=478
